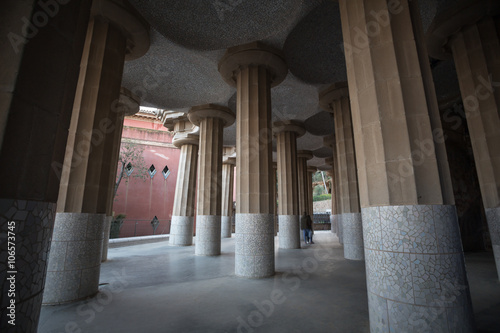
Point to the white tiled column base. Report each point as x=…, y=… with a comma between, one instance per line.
x=181, y=230
x=208, y=233
x=75, y=257
x=105, y=240
x=33, y=230
x=254, y=245
x=333, y=224
x=226, y=226
x=415, y=270
x=340, y=228
x=289, y=237
x=493, y=218
x=353, y=236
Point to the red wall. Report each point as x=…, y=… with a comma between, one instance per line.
x=140, y=200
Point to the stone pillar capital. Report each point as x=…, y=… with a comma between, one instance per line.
x=307, y=154
x=289, y=126
x=124, y=16
x=128, y=103
x=200, y=112
x=183, y=138
x=312, y=169
x=334, y=92
x=253, y=54
x=175, y=121
x=447, y=23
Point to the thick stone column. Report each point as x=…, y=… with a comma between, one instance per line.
x=336, y=100
x=330, y=141
x=211, y=119
x=34, y=121
x=414, y=261
x=76, y=249
x=309, y=189
x=475, y=44
x=228, y=163
x=127, y=105
x=254, y=68
x=274, y=192
x=304, y=197
x=186, y=138
x=286, y=133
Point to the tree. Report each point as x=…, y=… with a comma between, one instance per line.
x=131, y=162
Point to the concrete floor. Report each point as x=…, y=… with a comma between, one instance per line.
x=158, y=288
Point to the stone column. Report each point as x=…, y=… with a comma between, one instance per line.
x=37, y=88
x=330, y=141
x=116, y=32
x=475, y=44
x=309, y=190
x=186, y=138
x=127, y=105
x=228, y=163
x=254, y=68
x=274, y=192
x=211, y=119
x=286, y=133
x=415, y=268
x=304, y=197
x=336, y=100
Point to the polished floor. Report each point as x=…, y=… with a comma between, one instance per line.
x=158, y=288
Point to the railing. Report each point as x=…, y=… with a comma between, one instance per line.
x=132, y=228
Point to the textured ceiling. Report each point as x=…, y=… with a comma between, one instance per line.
x=189, y=37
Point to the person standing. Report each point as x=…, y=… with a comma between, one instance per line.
x=310, y=231
x=303, y=226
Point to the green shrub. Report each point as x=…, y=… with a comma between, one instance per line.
x=322, y=197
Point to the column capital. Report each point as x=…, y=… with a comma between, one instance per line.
x=200, y=112
x=229, y=155
x=289, y=126
x=128, y=103
x=124, y=16
x=449, y=22
x=332, y=93
x=175, y=121
x=312, y=169
x=253, y=54
x=307, y=154
x=184, y=138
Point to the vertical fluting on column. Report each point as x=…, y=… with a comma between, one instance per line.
x=413, y=254
x=274, y=189
x=86, y=174
x=286, y=133
x=127, y=104
x=253, y=69
x=475, y=51
x=211, y=120
x=302, y=157
x=228, y=163
x=335, y=99
x=337, y=212
x=309, y=189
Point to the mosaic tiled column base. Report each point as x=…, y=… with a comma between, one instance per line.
x=33, y=231
x=208, y=230
x=226, y=226
x=75, y=257
x=340, y=229
x=333, y=224
x=289, y=237
x=254, y=245
x=181, y=230
x=353, y=236
x=493, y=218
x=415, y=270
x=105, y=240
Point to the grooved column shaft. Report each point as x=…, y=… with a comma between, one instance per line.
x=475, y=50
x=255, y=214
x=302, y=184
x=209, y=196
x=227, y=199
x=414, y=257
x=289, y=236
x=182, y=226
